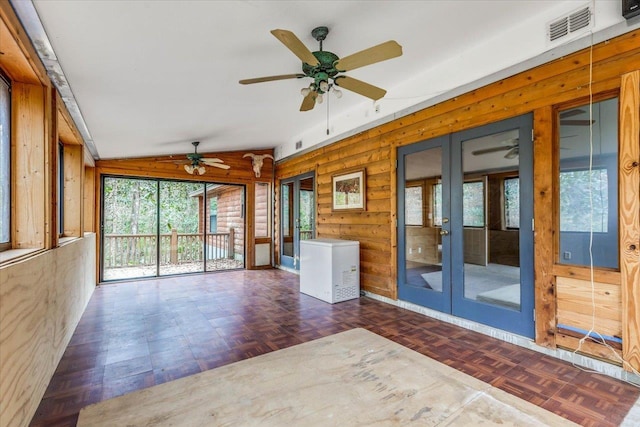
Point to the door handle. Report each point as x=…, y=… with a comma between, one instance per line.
x=444, y=232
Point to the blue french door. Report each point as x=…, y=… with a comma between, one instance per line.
x=465, y=228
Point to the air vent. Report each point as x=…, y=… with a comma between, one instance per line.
x=580, y=19
x=558, y=29
x=572, y=24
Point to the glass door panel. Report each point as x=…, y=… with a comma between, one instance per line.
x=181, y=228
x=297, y=208
x=421, y=182
x=286, y=209
x=306, y=217
x=129, y=227
x=484, y=277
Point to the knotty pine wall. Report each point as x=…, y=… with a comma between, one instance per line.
x=540, y=90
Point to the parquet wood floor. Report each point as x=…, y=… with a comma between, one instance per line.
x=137, y=334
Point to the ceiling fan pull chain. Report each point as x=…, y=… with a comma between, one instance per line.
x=327, y=112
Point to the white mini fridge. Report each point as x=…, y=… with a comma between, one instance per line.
x=330, y=269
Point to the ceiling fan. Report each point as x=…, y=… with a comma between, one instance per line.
x=325, y=67
x=510, y=146
x=564, y=118
x=195, y=163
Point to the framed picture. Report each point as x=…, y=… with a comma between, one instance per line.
x=349, y=191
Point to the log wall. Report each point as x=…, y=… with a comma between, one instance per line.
x=538, y=90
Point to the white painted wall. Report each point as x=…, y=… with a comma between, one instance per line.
x=521, y=47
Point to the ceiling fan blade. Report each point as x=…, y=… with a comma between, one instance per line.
x=210, y=161
x=381, y=52
x=577, y=122
x=294, y=44
x=493, y=150
x=271, y=78
x=218, y=165
x=360, y=87
x=571, y=113
x=308, y=102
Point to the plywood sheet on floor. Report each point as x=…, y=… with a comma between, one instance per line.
x=351, y=378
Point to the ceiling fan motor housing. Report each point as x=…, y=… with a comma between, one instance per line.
x=324, y=70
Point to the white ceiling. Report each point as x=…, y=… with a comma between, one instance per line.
x=149, y=77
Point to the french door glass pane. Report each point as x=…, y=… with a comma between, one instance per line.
x=490, y=250
x=423, y=244
x=287, y=219
x=306, y=214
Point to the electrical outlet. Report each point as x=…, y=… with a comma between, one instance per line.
x=566, y=255
x=419, y=249
x=410, y=251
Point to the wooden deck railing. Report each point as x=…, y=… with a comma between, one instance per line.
x=133, y=250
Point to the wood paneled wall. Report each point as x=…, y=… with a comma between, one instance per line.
x=629, y=200
x=41, y=301
x=30, y=162
x=537, y=90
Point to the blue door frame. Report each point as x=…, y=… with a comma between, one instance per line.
x=451, y=299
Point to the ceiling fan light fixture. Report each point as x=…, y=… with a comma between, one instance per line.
x=189, y=169
x=201, y=170
x=305, y=91
x=319, y=98
x=324, y=86
x=513, y=153
x=338, y=93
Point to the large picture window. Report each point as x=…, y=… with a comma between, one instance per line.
x=437, y=205
x=473, y=204
x=512, y=203
x=5, y=164
x=414, y=205
x=587, y=193
x=588, y=185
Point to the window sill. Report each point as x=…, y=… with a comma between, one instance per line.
x=64, y=240
x=15, y=255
